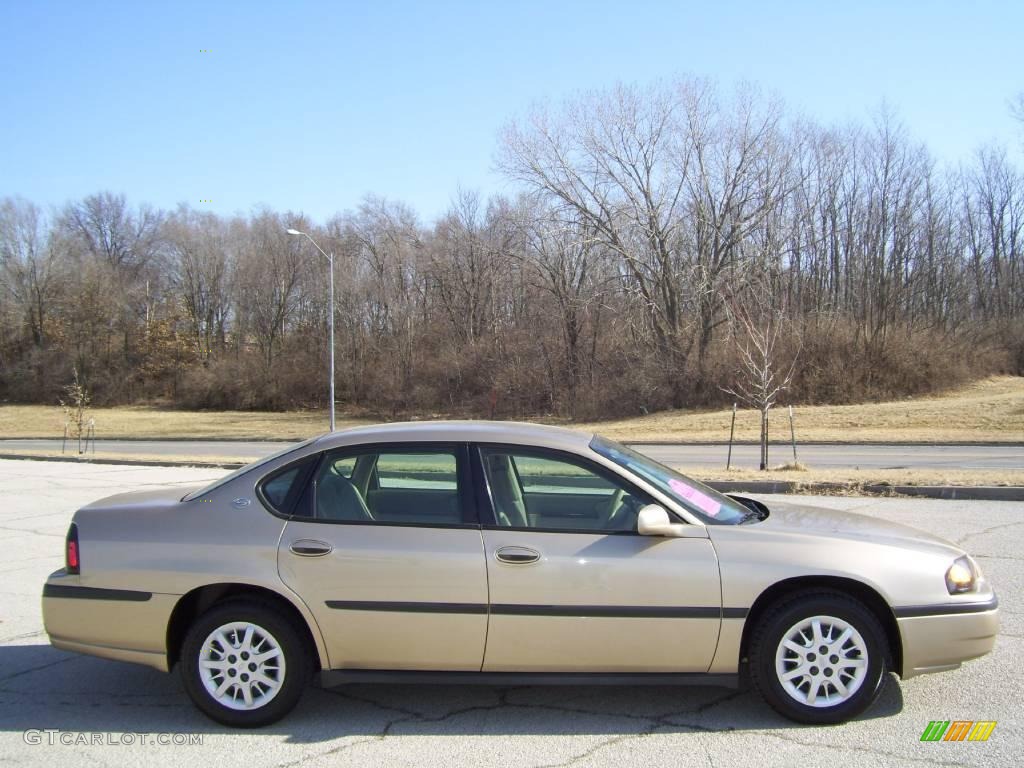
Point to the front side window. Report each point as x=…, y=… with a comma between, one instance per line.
x=412, y=487
x=537, y=490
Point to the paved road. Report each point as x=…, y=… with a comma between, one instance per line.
x=815, y=455
x=43, y=688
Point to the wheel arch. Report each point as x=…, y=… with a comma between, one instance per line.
x=856, y=589
x=196, y=602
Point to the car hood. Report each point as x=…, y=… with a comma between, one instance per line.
x=789, y=518
x=157, y=498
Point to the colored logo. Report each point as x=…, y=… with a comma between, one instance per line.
x=958, y=730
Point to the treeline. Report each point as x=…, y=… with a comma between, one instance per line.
x=645, y=223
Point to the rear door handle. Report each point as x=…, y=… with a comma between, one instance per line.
x=516, y=555
x=310, y=548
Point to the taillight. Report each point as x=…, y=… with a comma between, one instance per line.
x=71, y=560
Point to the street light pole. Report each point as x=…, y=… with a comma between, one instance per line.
x=330, y=315
x=330, y=332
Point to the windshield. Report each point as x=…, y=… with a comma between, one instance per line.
x=248, y=468
x=706, y=503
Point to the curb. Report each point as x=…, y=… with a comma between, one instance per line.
x=946, y=492
x=129, y=462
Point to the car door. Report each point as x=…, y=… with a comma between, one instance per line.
x=383, y=545
x=573, y=587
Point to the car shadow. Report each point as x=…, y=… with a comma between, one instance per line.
x=44, y=688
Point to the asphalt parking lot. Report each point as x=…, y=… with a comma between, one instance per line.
x=127, y=708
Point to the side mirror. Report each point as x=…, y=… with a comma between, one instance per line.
x=653, y=520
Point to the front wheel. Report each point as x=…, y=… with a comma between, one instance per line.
x=819, y=657
x=244, y=665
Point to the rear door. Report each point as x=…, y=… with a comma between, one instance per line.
x=384, y=547
x=573, y=586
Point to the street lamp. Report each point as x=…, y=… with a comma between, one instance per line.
x=330, y=316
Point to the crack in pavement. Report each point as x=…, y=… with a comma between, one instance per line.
x=22, y=636
x=655, y=722
x=865, y=750
x=31, y=530
x=983, y=531
x=36, y=669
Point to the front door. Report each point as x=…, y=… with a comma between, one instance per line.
x=574, y=588
x=385, y=550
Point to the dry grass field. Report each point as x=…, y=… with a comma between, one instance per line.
x=156, y=423
x=991, y=410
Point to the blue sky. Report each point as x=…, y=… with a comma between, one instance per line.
x=308, y=106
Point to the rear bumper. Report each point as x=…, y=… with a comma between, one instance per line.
x=124, y=625
x=944, y=638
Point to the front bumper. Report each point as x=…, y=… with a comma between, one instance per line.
x=947, y=636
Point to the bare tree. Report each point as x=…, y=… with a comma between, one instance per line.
x=672, y=181
x=562, y=258
x=31, y=270
x=767, y=350
x=201, y=271
x=270, y=270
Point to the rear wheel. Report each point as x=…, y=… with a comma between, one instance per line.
x=819, y=657
x=244, y=665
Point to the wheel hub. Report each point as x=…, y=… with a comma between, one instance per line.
x=821, y=661
x=241, y=665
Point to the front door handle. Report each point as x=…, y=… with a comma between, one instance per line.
x=310, y=548
x=516, y=555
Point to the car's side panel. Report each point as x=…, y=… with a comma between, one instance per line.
x=756, y=557
x=602, y=603
x=393, y=596
x=152, y=542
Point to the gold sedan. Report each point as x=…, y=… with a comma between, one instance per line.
x=496, y=553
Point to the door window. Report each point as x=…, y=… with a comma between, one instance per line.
x=390, y=486
x=551, y=492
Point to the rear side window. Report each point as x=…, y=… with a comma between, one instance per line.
x=280, y=488
x=418, y=485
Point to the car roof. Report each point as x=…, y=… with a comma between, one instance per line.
x=512, y=432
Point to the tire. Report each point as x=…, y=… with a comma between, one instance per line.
x=796, y=679
x=262, y=639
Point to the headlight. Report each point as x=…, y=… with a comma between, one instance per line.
x=961, y=576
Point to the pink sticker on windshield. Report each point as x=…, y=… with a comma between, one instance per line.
x=703, y=502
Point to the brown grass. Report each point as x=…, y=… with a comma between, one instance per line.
x=150, y=422
x=991, y=410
